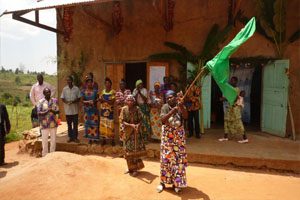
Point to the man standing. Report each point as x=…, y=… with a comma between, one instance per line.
x=193, y=105
x=47, y=110
x=36, y=94
x=70, y=96
x=4, y=129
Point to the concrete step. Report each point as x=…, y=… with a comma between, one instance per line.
x=153, y=153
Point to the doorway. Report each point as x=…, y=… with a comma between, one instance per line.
x=249, y=75
x=135, y=71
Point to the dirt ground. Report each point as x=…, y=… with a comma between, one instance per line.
x=68, y=176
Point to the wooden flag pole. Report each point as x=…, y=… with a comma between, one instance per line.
x=194, y=81
x=189, y=88
x=201, y=114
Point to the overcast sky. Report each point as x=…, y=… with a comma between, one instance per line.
x=23, y=44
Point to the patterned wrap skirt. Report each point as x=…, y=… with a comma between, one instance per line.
x=173, y=157
x=233, y=124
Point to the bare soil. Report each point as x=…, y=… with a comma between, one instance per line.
x=67, y=176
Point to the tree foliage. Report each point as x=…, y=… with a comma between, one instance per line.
x=271, y=23
x=182, y=55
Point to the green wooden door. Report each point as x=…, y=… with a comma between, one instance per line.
x=206, y=97
x=275, y=98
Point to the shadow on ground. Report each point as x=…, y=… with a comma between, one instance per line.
x=189, y=193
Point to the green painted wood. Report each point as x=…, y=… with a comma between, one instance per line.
x=275, y=98
x=206, y=97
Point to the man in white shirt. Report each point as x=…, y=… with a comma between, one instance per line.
x=70, y=96
x=36, y=94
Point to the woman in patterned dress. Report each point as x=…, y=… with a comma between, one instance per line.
x=91, y=114
x=121, y=95
x=107, y=99
x=141, y=96
x=130, y=121
x=233, y=125
x=156, y=98
x=173, y=158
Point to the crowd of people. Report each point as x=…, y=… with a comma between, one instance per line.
x=159, y=114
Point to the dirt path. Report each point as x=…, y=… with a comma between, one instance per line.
x=69, y=176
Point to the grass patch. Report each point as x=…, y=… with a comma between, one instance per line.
x=13, y=137
x=20, y=121
x=20, y=84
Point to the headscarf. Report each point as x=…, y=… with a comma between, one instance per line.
x=138, y=82
x=129, y=98
x=123, y=81
x=88, y=77
x=157, y=84
x=170, y=92
x=46, y=89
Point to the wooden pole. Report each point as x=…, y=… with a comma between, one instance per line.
x=186, y=92
x=193, y=83
x=201, y=115
x=292, y=120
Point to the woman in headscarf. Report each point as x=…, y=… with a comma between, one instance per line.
x=141, y=96
x=89, y=96
x=107, y=99
x=130, y=121
x=121, y=95
x=90, y=75
x=157, y=99
x=173, y=158
x=233, y=124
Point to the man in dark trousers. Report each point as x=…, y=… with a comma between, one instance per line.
x=193, y=105
x=4, y=129
x=71, y=96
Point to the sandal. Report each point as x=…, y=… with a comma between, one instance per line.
x=160, y=188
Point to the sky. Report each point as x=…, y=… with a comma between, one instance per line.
x=25, y=45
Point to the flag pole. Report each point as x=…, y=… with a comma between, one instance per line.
x=194, y=81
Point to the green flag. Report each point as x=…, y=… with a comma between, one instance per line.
x=219, y=65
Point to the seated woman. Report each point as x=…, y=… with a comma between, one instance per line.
x=130, y=119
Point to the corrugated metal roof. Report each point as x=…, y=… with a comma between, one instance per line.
x=47, y=4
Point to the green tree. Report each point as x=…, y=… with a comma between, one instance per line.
x=7, y=98
x=17, y=71
x=271, y=23
x=18, y=80
x=182, y=55
x=16, y=101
